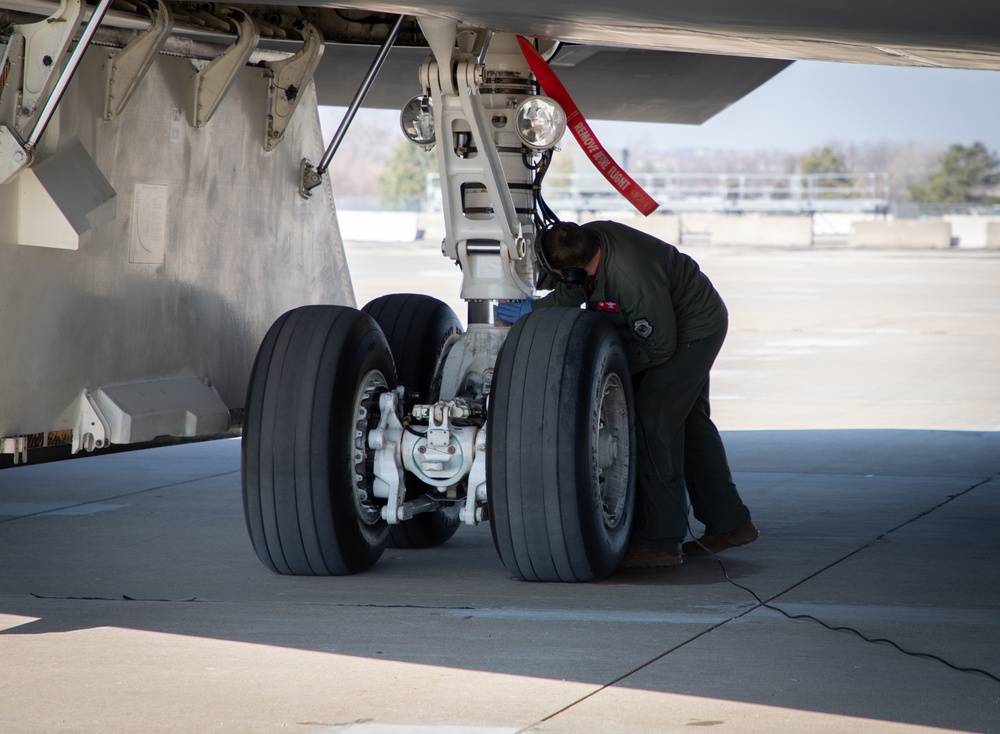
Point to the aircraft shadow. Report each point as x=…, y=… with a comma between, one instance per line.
x=858, y=527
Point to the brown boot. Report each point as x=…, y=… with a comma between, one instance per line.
x=721, y=541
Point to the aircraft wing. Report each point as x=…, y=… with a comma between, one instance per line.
x=963, y=34
x=639, y=85
x=686, y=61
x=640, y=60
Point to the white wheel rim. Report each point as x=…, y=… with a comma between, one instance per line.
x=366, y=397
x=611, y=449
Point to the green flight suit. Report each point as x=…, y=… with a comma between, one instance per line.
x=673, y=323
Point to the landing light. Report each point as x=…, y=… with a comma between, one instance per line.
x=417, y=120
x=540, y=122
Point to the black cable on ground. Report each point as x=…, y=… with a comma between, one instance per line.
x=846, y=628
x=835, y=628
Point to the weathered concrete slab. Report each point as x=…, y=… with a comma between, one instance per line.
x=858, y=398
x=771, y=230
x=993, y=234
x=901, y=233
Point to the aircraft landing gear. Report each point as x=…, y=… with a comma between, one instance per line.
x=531, y=427
x=417, y=328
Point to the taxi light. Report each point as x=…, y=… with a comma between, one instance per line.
x=417, y=120
x=540, y=122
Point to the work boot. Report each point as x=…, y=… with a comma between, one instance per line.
x=721, y=541
x=639, y=556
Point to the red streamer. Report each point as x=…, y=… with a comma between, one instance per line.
x=604, y=163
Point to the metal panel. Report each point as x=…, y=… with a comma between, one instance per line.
x=960, y=34
x=231, y=247
x=81, y=193
x=180, y=406
x=606, y=83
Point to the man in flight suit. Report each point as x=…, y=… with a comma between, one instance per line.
x=673, y=323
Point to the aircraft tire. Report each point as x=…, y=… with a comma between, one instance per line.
x=313, y=389
x=417, y=327
x=561, y=448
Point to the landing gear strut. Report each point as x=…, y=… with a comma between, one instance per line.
x=391, y=425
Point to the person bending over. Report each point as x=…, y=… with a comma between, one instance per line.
x=673, y=323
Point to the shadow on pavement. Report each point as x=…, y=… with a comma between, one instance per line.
x=886, y=531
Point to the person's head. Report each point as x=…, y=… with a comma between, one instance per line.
x=568, y=245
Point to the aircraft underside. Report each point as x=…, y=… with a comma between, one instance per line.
x=170, y=266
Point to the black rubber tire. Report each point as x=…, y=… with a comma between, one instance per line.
x=547, y=514
x=299, y=442
x=417, y=328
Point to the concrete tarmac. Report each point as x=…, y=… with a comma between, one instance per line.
x=859, y=398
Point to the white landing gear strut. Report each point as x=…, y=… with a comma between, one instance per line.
x=530, y=426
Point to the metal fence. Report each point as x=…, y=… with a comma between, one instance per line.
x=800, y=194
x=715, y=192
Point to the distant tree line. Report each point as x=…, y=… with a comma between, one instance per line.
x=921, y=174
x=965, y=175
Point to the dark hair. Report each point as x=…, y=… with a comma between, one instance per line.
x=568, y=245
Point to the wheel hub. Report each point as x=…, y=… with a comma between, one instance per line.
x=366, y=417
x=611, y=441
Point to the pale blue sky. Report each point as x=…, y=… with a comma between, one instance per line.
x=813, y=103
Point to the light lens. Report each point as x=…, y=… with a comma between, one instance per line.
x=540, y=122
x=417, y=120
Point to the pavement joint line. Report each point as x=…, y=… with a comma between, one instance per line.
x=768, y=604
x=120, y=496
x=123, y=597
x=635, y=670
x=880, y=536
x=480, y=612
x=843, y=628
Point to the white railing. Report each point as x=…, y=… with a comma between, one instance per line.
x=795, y=193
